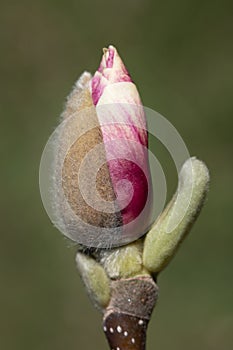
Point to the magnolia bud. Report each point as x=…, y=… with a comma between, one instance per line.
x=100, y=187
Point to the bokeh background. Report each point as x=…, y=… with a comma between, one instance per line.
x=180, y=55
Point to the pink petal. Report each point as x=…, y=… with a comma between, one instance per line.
x=125, y=138
x=124, y=130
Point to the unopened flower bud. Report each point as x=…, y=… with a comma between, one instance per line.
x=101, y=188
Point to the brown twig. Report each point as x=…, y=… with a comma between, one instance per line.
x=128, y=313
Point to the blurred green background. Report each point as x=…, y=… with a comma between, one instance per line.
x=180, y=55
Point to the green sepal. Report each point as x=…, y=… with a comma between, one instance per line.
x=163, y=240
x=95, y=279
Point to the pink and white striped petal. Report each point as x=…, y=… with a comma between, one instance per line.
x=123, y=126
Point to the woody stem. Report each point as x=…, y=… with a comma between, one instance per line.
x=128, y=313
